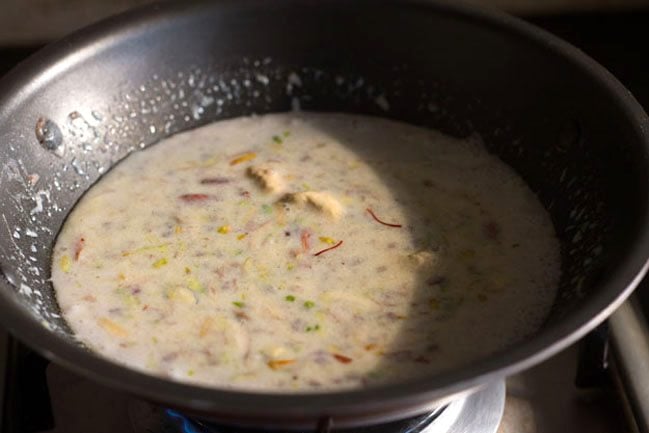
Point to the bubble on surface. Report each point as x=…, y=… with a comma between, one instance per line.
x=78, y=168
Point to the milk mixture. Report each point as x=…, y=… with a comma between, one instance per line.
x=305, y=252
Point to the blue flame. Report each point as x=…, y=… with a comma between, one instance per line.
x=183, y=422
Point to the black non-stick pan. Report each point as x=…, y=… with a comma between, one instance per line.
x=565, y=124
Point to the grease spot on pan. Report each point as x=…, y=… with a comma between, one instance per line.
x=49, y=136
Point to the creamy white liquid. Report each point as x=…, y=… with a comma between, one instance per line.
x=197, y=259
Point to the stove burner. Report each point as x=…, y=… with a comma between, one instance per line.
x=479, y=412
x=417, y=424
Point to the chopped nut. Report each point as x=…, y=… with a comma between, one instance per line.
x=160, y=263
x=320, y=200
x=248, y=156
x=181, y=294
x=112, y=327
x=276, y=364
x=224, y=230
x=205, y=327
x=269, y=179
x=65, y=264
x=342, y=358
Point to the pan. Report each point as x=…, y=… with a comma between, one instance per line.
x=568, y=127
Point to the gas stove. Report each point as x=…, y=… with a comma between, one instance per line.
x=40, y=397
x=479, y=413
x=578, y=390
